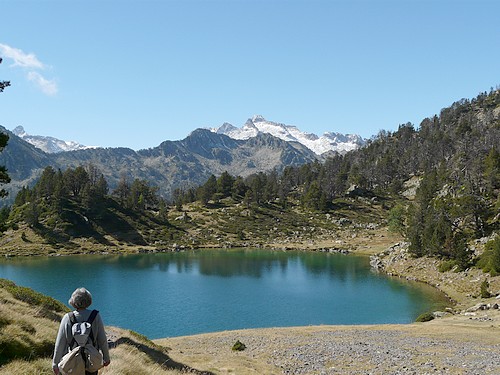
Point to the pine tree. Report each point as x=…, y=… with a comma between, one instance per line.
x=3, y=84
x=492, y=170
x=225, y=184
x=4, y=138
x=207, y=191
x=4, y=176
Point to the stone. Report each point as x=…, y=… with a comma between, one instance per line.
x=477, y=307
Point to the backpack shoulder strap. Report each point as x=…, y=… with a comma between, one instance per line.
x=92, y=316
x=90, y=320
x=72, y=320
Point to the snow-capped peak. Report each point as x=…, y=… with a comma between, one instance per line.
x=48, y=144
x=329, y=141
x=258, y=118
x=19, y=131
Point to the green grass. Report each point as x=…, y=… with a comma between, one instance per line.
x=31, y=297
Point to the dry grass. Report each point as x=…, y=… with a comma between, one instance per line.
x=25, y=331
x=28, y=332
x=128, y=360
x=36, y=367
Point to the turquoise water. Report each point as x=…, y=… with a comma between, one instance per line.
x=175, y=294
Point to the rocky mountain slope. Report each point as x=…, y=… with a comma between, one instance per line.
x=172, y=164
x=328, y=142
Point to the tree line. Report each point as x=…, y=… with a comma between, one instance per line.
x=83, y=188
x=454, y=157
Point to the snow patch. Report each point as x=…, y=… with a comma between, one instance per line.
x=50, y=145
x=329, y=141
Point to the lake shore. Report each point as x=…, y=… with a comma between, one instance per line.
x=463, y=340
x=458, y=342
x=451, y=345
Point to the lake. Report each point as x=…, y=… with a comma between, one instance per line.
x=175, y=294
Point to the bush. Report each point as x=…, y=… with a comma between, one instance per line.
x=425, y=317
x=446, y=266
x=485, y=293
x=239, y=346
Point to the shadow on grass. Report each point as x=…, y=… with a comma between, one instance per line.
x=160, y=357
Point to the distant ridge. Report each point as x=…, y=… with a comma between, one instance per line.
x=171, y=165
x=49, y=144
x=320, y=145
x=328, y=142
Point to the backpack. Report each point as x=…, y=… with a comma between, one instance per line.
x=83, y=356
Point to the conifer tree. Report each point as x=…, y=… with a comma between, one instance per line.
x=4, y=138
x=225, y=184
x=3, y=84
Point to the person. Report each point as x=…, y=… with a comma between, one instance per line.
x=81, y=299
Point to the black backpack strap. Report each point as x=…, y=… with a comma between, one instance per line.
x=91, y=318
x=72, y=320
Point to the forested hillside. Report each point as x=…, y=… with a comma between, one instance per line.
x=453, y=158
x=452, y=162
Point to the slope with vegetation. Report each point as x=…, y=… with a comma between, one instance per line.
x=452, y=161
x=28, y=327
x=73, y=212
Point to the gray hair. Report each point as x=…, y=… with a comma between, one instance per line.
x=80, y=299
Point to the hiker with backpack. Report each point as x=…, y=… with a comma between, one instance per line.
x=81, y=346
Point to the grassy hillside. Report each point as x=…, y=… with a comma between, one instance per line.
x=28, y=328
x=352, y=223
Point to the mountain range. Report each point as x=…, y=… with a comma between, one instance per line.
x=172, y=164
x=320, y=145
x=259, y=146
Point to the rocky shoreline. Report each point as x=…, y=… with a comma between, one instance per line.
x=463, y=288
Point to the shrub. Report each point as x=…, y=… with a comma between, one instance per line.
x=485, y=293
x=425, y=317
x=446, y=266
x=31, y=297
x=239, y=346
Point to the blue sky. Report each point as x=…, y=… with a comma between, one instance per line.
x=136, y=73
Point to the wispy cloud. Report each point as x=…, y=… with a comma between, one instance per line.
x=26, y=60
x=48, y=87
x=29, y=61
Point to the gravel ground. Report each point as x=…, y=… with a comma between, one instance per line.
x=430, y=348
x=364, y=353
